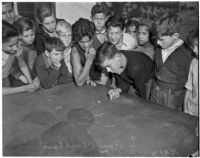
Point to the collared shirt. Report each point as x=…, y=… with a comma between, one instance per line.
x=193, y=86
x=128, y=43
x=101, y=32
x=166, y=52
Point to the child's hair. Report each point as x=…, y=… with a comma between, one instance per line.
x=44, y=11
x=82, y=28
x=54, y=43
x=150, y=27
x=131, y=23
x=12, y=3
x=194, y=34
x=99, y=8
x=62, y=24
x=167, y=25
x=24, y=24
x=106, y=51
x=8, y=31
x=115, y=21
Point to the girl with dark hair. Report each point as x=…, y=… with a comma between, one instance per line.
x=145, y=38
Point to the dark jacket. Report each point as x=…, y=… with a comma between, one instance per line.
x=138, y=71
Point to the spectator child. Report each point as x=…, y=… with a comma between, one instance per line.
x=64, y=32
x=11, y=51
x=131, y=28
x=99, y=16
x=172, y=64
x=47, y=27
x=26, y=32
x=8, y=12
x=123, y=41
x=83, y=54
x=50, y=67
x=145, y=38
x=192, y=86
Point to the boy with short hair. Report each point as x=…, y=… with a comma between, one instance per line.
x=11, y=52
x=47, y=27
x=123, y=41
x=8, y=12
x=50, y=67
x=129, y=67
x=131, y=27
x=99, y=16
x=26, y=30
x=172, y=64
x=64, y=32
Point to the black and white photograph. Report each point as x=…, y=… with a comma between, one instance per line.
x=100, y=78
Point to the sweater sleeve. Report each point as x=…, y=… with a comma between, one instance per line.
x=65, y=76
x=47, y=76
x=139, y=79
x=122, y=84
x=39, y=44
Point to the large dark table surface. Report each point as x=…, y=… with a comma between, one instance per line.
x=81, y=121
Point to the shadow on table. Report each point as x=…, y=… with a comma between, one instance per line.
x=66, y=138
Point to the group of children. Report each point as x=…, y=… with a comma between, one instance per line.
x=148, y=58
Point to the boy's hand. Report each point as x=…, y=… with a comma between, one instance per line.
x=31, y=87
x=23, y=79
x=57, y=64
x=91, y=83
x=36, y=83
x=114, y=93
x=90, y=55
x=19, y=49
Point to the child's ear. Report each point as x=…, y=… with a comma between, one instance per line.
x=46, y=53
x=91, y=17
x=176, y=35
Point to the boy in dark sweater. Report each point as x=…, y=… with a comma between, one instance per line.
x=129, y=68
x=50, y=66
x=46, y=28
x=172, y=64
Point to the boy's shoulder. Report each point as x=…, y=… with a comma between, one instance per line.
x=40, y=60
x=185, y=50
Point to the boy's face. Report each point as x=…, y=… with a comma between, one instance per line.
x=65, y=35
x=85, y=43
x=55, y=56
x=166, y=41
x=113, y=65
x=28, y=37
x=196, y=46
x=8, y=13
x=131, y=30
x=49, y=23
x=11, y=46
x=99, y=20
x=143, y=35
x=115, y=34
